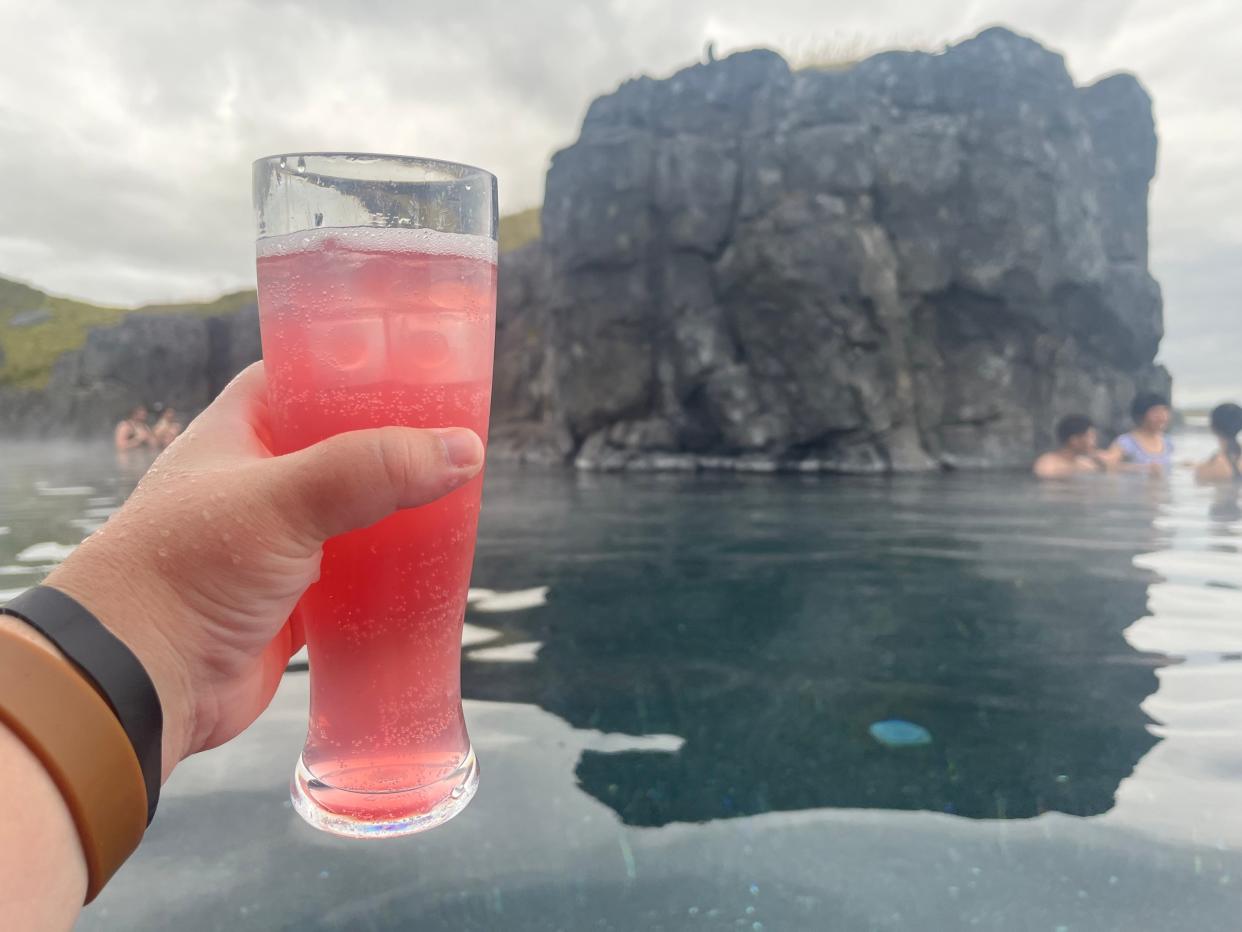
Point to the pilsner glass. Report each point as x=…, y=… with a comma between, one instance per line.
x=377, y=300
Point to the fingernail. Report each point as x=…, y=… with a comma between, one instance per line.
x=462, y=447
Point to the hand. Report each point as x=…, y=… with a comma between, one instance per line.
x=199, y=572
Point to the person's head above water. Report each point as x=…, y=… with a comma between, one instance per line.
x=1151, y=411
x=138, y=413
x=1076, y=433
x=1227, y=424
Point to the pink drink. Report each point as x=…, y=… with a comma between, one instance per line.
x=365, y=328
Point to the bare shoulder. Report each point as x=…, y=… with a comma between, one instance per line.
x=1051, y=466
x=1216, y=469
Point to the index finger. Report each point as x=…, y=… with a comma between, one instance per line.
x=237, y=421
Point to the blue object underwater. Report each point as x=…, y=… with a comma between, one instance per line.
x=895, y=733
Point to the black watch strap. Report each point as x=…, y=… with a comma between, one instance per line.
x=113, y=669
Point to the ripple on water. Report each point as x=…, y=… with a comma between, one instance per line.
x=510, y=601
x=32, y=570
x=1199, y=566
x=45, y=551
x=523, y=652
x=55, y=491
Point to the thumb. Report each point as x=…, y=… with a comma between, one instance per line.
x=354, y=479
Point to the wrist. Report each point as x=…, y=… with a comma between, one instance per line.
x=133, y=618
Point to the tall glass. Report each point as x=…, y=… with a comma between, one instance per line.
x=377, y=297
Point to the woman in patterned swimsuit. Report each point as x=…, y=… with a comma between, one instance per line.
x=1146, y=448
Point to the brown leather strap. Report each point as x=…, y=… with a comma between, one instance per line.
x=52, y=708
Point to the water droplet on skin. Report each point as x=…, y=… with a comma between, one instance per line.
x=163, y=551
x=164, y=532
x=236, y=559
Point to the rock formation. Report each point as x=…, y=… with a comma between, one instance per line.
x=920, y=260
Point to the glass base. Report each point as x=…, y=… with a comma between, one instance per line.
x=387, y=814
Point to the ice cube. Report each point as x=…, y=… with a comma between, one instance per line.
x=355, y=347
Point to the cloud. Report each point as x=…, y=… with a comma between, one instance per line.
x=127, y=129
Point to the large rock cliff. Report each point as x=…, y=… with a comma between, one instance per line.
x=921, y=260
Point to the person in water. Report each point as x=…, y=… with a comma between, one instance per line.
x=167, y=428
x=1226, y=464
x=134, y=432
x=1077, y=454
x=1146, y=448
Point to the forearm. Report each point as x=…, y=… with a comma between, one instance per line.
x=42, y=868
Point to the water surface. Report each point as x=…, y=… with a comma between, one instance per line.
x=678, y=732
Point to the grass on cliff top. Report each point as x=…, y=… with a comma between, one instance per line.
x=28, y=352
x=517, y=230
x=837, y=53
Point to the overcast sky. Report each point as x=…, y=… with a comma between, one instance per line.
x=127, y=127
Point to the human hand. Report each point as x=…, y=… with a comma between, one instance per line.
x=200, y=570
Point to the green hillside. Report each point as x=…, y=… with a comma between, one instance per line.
x=516, y=230
x=49, y=326
x=57, y=325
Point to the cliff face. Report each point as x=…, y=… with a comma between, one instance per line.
x=180, y=359
x=921, y=260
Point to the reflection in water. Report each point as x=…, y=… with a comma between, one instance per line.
x=771, y=623
x=1226, y=510
x=713, y=644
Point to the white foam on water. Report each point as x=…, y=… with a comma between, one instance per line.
x=42, y=488
x=380, y=239
x=15, y=570
x=6, y=594
x=524, y=652
x=4, y=530
x=474, y=634
x=512, y=601
x=46, y=550
x=611, y=742
x=478, y=595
